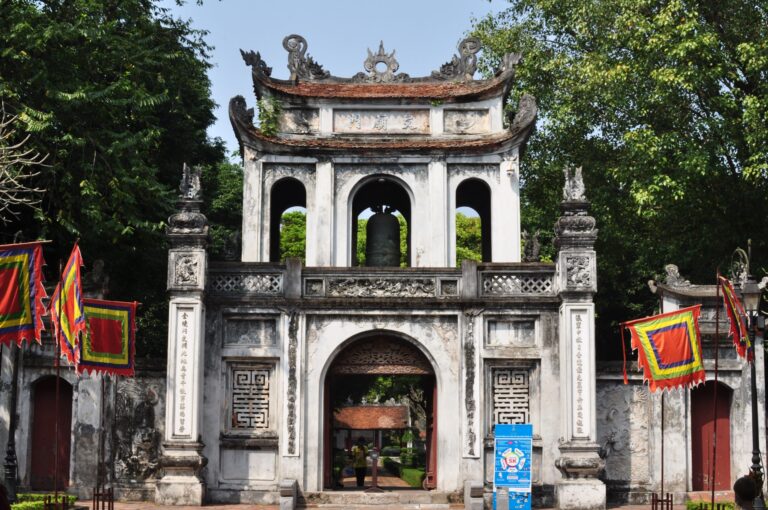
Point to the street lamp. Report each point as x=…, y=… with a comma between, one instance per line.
x=750, y=292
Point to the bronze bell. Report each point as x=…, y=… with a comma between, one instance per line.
x=382, y=247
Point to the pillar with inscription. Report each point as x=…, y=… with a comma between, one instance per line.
x=182, y=457
x=579, y=462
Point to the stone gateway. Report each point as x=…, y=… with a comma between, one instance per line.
x=258, y=347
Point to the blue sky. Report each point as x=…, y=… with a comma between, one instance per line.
x=424, y=34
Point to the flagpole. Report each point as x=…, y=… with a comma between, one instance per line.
x=714, y=405
x=57, y=364
x=661, y=309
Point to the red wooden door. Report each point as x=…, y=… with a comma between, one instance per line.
x=702, y=436
x=327, y=436
x=430, y=481
x=44, y=432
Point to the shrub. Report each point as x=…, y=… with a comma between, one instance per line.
x=390, y=451
x=413, y=476
x=704, y=505
x=35, y=501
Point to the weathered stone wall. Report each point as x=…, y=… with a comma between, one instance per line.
x=137, y=411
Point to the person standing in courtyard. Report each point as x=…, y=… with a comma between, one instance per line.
x=359, y=454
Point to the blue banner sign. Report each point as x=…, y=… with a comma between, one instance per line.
x=513, y=455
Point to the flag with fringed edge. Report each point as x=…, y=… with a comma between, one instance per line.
x=67, y=307
x=21, y=293
x=737, y=318
x=109, y=343
x=668, y=348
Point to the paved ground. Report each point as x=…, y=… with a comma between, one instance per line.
x=152, y=506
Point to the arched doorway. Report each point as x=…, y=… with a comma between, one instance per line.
x=704, y=413
x=374, y=365
x=44, y=427
x=380, y=193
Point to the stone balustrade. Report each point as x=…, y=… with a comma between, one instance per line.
x=473, y=280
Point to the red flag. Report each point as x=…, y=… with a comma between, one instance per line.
x=21, y=293
x=669, y=348
x=737, y=318
x=67, y=307
x=109, y=344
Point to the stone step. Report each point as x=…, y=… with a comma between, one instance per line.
x=410, y=499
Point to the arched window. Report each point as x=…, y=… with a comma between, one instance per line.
x=287, y=213
x=473, y=221
x=386, y=196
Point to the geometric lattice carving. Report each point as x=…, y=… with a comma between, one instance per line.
x=250, y=398
x=511, y=401
x=381, y=355
x=506, y=284
x=255, y=283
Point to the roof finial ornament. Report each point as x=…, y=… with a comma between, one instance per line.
x=462, y=67
x=573, y=190
x=190, y=186
x=301, y=65
x=376, y=73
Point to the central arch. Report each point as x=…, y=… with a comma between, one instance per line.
x=365, y=358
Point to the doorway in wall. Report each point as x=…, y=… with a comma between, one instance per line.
x=381, y=392
x=704, y=413
x=44, y=418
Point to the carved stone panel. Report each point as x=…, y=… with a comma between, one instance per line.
x=578, y=272
x=299, y=121
x=511, y=333
x=623, y=424
x=380, y=287
x=399, y=122
x=186, y=270
x=249, y=397
x=466, y=122
x=250, y=331
x=381, y=355
x=511, y=395
x=138, y=428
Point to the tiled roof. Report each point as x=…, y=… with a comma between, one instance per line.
x=371, y=417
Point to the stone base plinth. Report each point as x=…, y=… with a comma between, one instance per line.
x=180, y=491
x=580, y=494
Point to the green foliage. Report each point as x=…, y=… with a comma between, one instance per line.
x=413, y=476
x=117, y=94
x=223, y=206
x=703, y=505
x=293, y=235
x=269, y=115
x=468, y=239
x=35, y=501
x=665, y=104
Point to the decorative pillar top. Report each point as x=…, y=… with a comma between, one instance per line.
x=575, y=229
x=189, y=227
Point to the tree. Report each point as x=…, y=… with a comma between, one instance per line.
x=18, y=166
x=117, y=94
x=293, y=235
x=665, y=106
x=468, y=239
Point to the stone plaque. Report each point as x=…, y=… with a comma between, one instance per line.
x=184, y=387
x=398, y=122
x=299, y=121
x=248, y=465
x=582, y=373
x=512, y=333
x=466, y=122
x=250, y=331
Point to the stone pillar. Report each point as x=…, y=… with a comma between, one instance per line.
x=182, y=457
x=439, y=236
x=579, y=461
x=253, y=210
x=320, y=227
x=505, y=211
